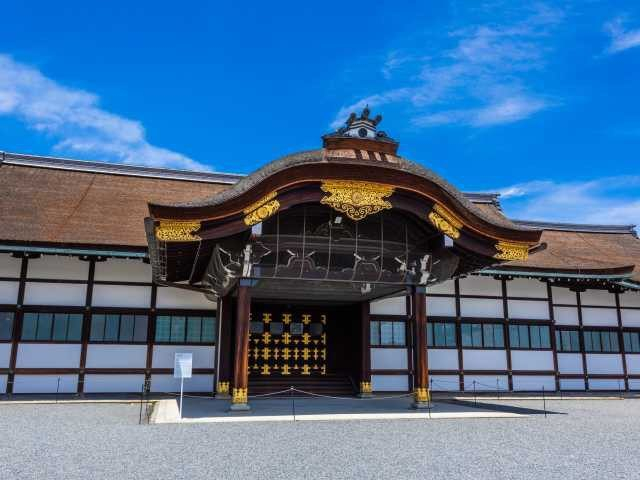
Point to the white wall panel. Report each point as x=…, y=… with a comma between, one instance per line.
x=570, y=363
x=565, y=315
x=5, y=354
x=389, y=306
x=388, y=358
x=444, y=383
x=447, y=287
x=9, y=292
x=524, y=287
x=480, y=286
x=48, y=355
x=389, y=383
x=441, y=306
x=443, y=358
x=529, y=309
x=630, y=318
x=62, y=268
x=197, y=383
x=571, y=384
x=65, y=294
x=481, y=307
x=616, y=384
x=9, y=266
x=604, y=363
x=120, y=270
x=116, y=356
x=597, y=297
x=630, y=299
x=3, y=383
x=633, y=363
x=564, y=295
x=45, y=384
x=179, y=298
x=203, y=356
x=486, y=383
x=634, y=384
x=103, y=383
x=534, y=383
x=484, y=359
x=121, y=296
x=600, y=317
x=532, y=360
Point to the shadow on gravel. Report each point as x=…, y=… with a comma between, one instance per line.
x=501, y=408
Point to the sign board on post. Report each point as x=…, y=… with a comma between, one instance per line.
x=182, y=365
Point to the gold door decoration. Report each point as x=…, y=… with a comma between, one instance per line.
x=299, y=348
x=445, y=221
x=356, y=200
x=512, y=251
x=262, y=209
x=177, y=231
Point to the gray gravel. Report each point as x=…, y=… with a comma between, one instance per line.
x=587, y=439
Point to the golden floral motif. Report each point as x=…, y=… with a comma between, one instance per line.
x=365, y=387
x=223, y=387
x=512, y=251
x=177, y=231
x=421, y=395
x=239, y=395
x=445, y=221
x=356, y=199
x=262, y=209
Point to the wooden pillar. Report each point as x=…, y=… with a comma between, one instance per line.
x=241, y=353
x=365, y=355
x=223, y=370
x=421, y=383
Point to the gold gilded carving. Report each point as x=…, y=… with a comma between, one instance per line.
x=177, y=231
x=365, y=387
x=223, y=388
x=239, y=395
x=355, y=199
x=262, y=209
x=512, y=251
x=444, y=221
x=421, y=395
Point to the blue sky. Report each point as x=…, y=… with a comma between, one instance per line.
x=538, y=101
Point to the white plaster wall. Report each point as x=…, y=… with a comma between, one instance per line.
x=389, y=383
x=51, y=355
x=633, y=363
x=565, y=315
x=9, y=266
x=197, y=383
x=531, y=360
x=62, y=268
x=480, y=286
x=5, y=354
x=529, y=309
x=634, y=384
x=571, y=384
x=116, y=356
x=570, y=363
x=600, y=317
x=630, y=299
x=3, y=383
x=99, y=383
x=534, y=383
x=484, y=359
x=9, y=292
x=486, y=383
x=597, y=297
x=630, y=318
x=447, y=287
x=481, y=308
x=179, y=298
x=389, y=306
x=616, y=384
x=442, y=358
x=388, y=358
x=604, y=363
x=45, y=384
x=563, y=295
x=65, y=294
x=441, y=306
x=203, y=356
x=444, y=383
x=121, y=270
x=121, y=296
x=524, y=287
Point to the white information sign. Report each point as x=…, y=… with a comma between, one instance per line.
x=182, y=365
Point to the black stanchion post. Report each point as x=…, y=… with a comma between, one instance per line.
x=544, y=403
x=57, y=389
x=429, y=396
x=498, y=387
x=293, y=403
x=141, y=400
x=475, y=397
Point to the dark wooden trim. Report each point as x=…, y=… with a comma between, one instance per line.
x=86, y=325
x=151, y=334
x=365, y=336
x=506, y=333
x=456, y=287
x=241, y=357
x=581, y=340
x=391, y=371
x=17, y=325
x=225, y=316
x=420, y=327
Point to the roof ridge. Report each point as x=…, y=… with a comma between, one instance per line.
x=577, y=227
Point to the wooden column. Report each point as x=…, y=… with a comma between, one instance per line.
x=223, y=370
x=421, y=383
x=241, y=353
x=365, y=355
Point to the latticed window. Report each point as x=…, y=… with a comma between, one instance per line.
x=6, y=325
x=185, y=329
x=601, y=341
x=567, y=341
x=385, y=333
x=60, y=327
x=631, y=342
x=529, y=336
x=482, y=335
x=120, y=328
x=441, y=334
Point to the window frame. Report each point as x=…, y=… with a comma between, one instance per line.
x=399, y=323
x=612, y=334
x=560, y=343
x=12, y=326
x=530, y=326
x=431, y=327
x=627, y=334
x=481, y=331
x=53, y=312
x=186, y=315
x=120, y=314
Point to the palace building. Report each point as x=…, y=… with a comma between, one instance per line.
x=346, y=270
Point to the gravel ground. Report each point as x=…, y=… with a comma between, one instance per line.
x=586, y=439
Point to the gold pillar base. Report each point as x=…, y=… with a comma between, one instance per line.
x=365, y=389
x=222, y=390
x=239, y=400
x=421, y=398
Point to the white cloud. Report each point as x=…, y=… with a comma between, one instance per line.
x=609, y=200
x=621, y=39
x=75, y=119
